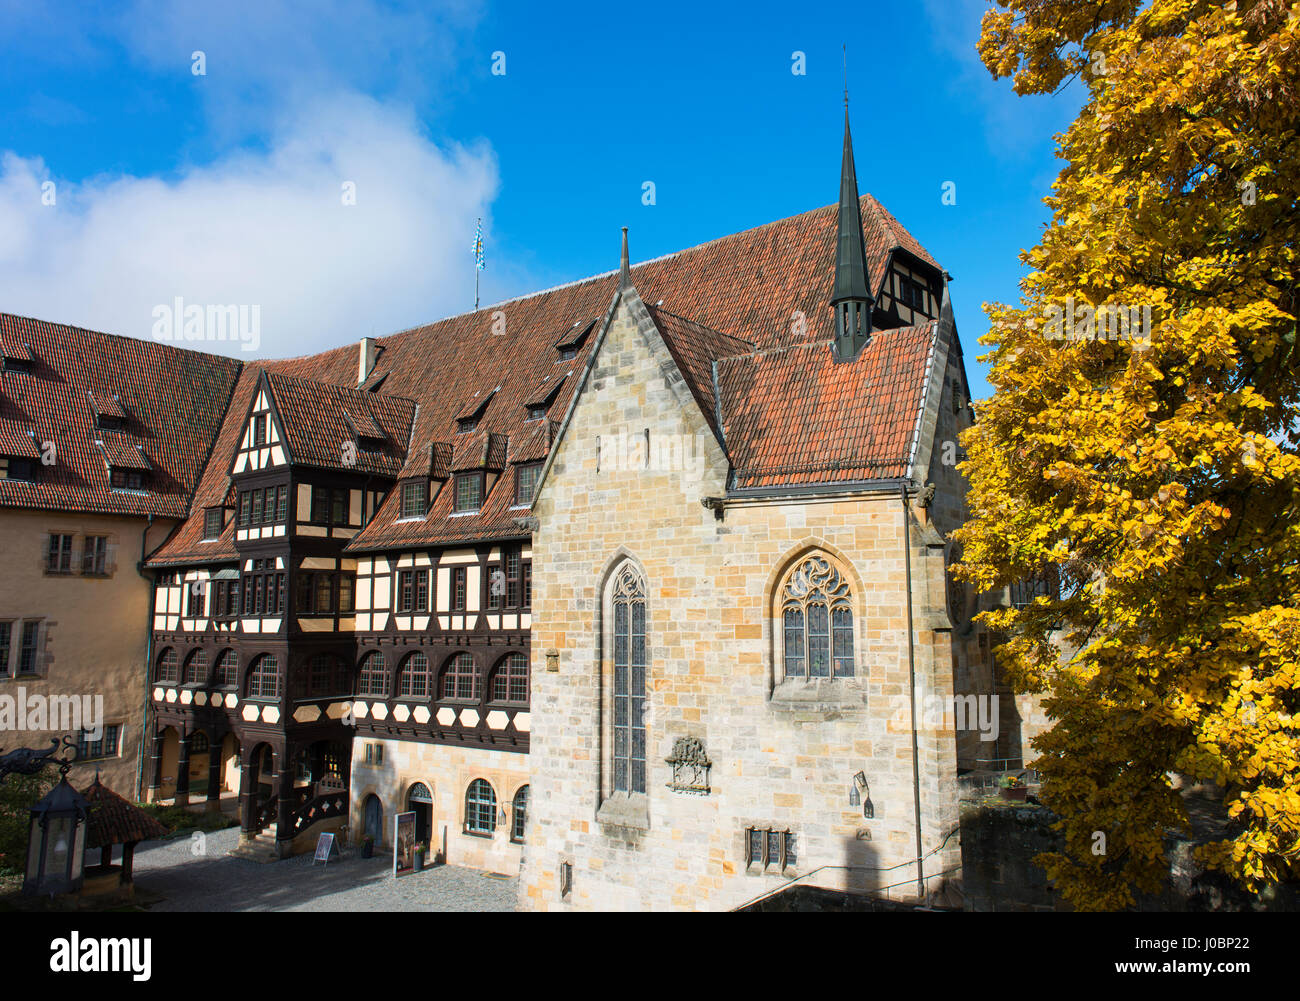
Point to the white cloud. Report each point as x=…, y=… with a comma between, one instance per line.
x=261, y=228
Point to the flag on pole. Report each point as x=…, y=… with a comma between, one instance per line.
x=478, y=246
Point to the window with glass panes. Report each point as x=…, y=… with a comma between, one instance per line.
x=769, y=849
x=105, y=747
x=817, y=621
x=264, y=678
x=168, y=667
x=413, y=495
x=510, y=682
x=27, y=651
x=227, y=669
x=458, y=588
x=196, y=668
x=94, y=556
x=459, y=679
x=413, y=681
x=526, y=481
x=322, y=670
x=480, y=808
x=469, y=491
x=212, y=522
x=373, y=677
x=629, y=763
x=413, y=590
x=519, y=815
x=59, y=554
x=6, y=638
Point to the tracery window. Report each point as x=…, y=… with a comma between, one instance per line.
x=629, y=607
x=817, y=621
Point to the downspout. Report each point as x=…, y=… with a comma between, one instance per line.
x=911, y=688
x=148, y=659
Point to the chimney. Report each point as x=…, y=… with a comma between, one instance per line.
x=366, y=359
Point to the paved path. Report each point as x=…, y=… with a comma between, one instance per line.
x=215, y=881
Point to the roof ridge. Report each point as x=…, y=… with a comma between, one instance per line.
x=364, y=395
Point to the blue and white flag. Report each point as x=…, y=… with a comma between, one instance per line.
x=478, y=246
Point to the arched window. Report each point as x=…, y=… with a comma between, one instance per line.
x=227, y=669
x=168, y=667
x=480, y=808
x=519, y=815
x=510, y=681
x=264, y=678
x=817, y=621
x=628, y=600
x=196, y=668
x=373, y=679
x=459, y=679
x=413, y=681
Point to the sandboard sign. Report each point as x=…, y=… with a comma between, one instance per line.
x=326, y=848
x=403, y=844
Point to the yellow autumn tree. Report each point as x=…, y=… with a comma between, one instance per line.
x=1151, y=466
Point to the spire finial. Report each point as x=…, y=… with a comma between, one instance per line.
x=625, y=275
x=846, y=78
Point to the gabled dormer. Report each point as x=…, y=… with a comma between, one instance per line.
x=261, y=439
x=911, y=291
x=476, y=465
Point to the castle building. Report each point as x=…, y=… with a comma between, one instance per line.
x=636, y=586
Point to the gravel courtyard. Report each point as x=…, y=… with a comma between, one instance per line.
x=215, y=881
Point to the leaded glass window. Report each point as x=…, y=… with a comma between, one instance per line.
x=196, y=668
x=459, y=679
x=168, y=667
x=480, y=808
x=264, y=678
x=519, y=815
x=373, y=679
x=510, y=683
x=817, y=621
x=629, y=764
x=413, y=682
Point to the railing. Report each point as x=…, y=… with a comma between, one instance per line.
x=332, y=804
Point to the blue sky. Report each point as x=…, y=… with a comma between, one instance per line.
x=225, y=187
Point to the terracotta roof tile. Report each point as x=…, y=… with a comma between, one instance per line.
x=320, y=421
x=797, y=416
x=54, y=400
x=122, y=453
x=114, y=821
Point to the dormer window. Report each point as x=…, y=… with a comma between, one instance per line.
x=469, y=492
x=571, y=343
x=214, y=520
x=127, y=479
x=18, y=452
x=17, y=469
x=414, y=499
x=109, y=414
x=17, y=355
x=369, y=436
x=543, y=396
x=469, y=416
x=526, y=482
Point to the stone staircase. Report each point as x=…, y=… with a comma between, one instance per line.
x=261, y=848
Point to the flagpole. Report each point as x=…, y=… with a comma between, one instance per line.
x=478, y=258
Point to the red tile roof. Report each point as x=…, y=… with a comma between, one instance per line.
x=113, y=820
x=763, y=289
x=796, y=416
x=16, y=440
x=315, y=417
x=122, y=454
x=54, y=400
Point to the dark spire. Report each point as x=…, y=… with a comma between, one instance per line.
x=624, y=275
x=851, y=296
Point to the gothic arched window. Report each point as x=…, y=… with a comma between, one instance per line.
x=628, y=601
x=817, y=620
